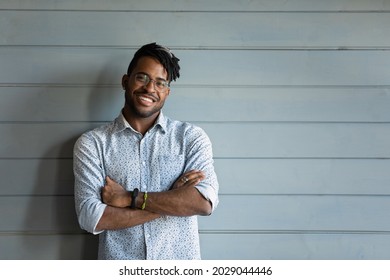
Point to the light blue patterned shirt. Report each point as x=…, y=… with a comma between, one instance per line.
x=151, y=163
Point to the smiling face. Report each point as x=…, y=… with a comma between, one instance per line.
x=144, y=101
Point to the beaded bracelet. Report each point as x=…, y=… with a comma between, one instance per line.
x=145, y=198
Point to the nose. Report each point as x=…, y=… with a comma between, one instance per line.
x=150, y=86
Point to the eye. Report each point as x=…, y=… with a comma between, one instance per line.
x=161, y=84
x=141, y=78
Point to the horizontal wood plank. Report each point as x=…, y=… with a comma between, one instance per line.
x=200, y=5
x=237, y=104
x=286, y=140
x=33, y=177
x=44, y=140
x=51, y=104
x=295, y=246
x=38, y=246
x=303, y=176
x=299, y=213
x=266, y=140
x=208, y=30
x=106, y=66
x=38, y=213
x=300, y=104
x=320, y=140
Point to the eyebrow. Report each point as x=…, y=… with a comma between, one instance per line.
x=158, y=78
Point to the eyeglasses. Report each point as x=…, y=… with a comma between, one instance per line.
x=144, y=80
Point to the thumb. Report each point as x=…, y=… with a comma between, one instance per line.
x=109, y=180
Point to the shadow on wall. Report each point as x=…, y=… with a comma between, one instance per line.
x=51, y=213
x=50, y=219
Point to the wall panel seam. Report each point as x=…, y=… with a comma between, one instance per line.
x=213, y=48
x=195, y=11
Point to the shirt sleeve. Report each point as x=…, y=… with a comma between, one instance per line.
x=200, y=157
x=89, y=179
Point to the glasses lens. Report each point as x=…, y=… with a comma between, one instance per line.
x=161, y=84
x=144, y=80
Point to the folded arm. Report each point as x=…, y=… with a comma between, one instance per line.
x=183, y=199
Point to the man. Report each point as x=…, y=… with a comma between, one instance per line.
x=141, y=181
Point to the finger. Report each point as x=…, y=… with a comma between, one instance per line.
x=196, y=174
x=198, y=177
x=184, y=179
x=193, y=178
x=193, y=173
x=190, y=172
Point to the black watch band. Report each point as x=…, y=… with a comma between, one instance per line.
x=133, y=198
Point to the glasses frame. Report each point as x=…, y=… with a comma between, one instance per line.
x=144, y=79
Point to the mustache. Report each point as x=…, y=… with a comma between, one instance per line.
x=147, y=94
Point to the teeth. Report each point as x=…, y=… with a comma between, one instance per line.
x=146, y=99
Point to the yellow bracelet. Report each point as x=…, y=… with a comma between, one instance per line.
x=145, y=198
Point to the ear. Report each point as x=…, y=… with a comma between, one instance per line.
x=169, y=91
x=125, y=81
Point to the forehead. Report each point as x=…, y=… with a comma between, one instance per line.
x=151, y=66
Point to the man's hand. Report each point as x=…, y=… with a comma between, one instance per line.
x=115, y=195
x=189, y=179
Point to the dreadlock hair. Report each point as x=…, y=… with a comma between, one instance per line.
x=163, y=55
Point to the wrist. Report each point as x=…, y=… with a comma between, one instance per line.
x=145, y=197
x=126, y=202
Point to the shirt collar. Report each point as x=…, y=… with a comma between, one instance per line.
x=122, y=124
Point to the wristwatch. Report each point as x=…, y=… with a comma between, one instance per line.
x=133, y=198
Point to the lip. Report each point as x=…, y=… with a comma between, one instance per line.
x=146, y=99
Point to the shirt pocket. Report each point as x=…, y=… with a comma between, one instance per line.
x=170, y=168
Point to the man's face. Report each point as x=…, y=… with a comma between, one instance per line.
x=145, y=100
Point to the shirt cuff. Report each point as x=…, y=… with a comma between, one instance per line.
x=89, y=221
x=208, y=193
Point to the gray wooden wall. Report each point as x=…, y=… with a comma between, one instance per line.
x=295, y=96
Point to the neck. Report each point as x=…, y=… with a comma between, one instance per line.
x=140, y=124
